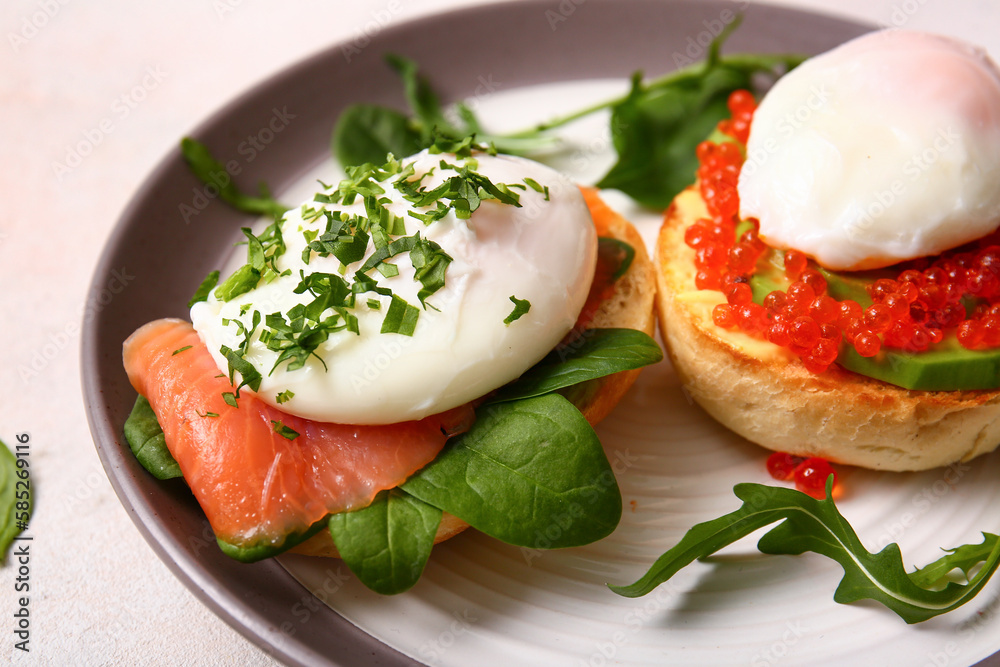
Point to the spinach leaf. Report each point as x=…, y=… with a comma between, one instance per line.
x=145, y=438
x=212, y=172
x=594, y=354
x=251, y=553
x=530, y=473
x=387, y=544
x=808, y=524
x=367, y=133
x=12, y=519
x=657, y=126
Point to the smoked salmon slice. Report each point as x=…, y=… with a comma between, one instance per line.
x=255, y=485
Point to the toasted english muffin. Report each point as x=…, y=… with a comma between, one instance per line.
x=764, y=394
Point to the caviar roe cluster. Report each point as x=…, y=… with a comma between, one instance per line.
x=959, y=291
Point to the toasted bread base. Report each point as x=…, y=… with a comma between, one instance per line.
x=762, y=393
x=631, y=306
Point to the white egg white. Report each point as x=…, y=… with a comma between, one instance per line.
x=543, y=251
x=884, y=149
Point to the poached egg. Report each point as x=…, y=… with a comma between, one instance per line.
x=884, y=149
x=542, y=252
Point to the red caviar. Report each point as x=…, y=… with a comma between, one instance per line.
x=958, y=292
x=810, y=474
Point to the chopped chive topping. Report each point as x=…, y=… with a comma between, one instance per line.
x=521, y=306
x=284, y=396
x=374, y=304
x=208, y=414
x=180, y=349
x=205, y=288
x=284, y=431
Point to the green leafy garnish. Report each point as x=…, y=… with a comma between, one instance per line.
x=145, y=439
x=521, y=306
x=655, y=128
x=251, y=553
x=366, y=132
x=387, y=544
x=400, y=318
x=242, y=281
x=212, y=172
x=593, y=354
x=285, y=396
x=617, y=253
x=205, y=288
x=518, y=472
x=180, y=349
x=808, y=524
x=283, y=430
x=16, y=498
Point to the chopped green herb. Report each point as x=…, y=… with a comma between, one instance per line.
x=521, y=306
x=207, y=414
x=250, y=376
x=180, y=349
x=230, y=398
x=534, y=185
x=284, y=396
x=242, y=281
x=284, y=431
x=400, y=318
x=374, y=304
x=205, y=288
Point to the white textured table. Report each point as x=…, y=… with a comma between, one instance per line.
x=92, y=95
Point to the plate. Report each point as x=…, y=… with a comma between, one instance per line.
x=482, y=602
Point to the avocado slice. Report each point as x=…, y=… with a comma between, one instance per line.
x=946, y=366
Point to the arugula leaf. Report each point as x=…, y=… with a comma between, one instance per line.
x=531, y=473
x=387, y=544
x=594, y=354
x=964, y=558
x=212, y=172
x=145, y=439
x=9, y=499
x=808, y=524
